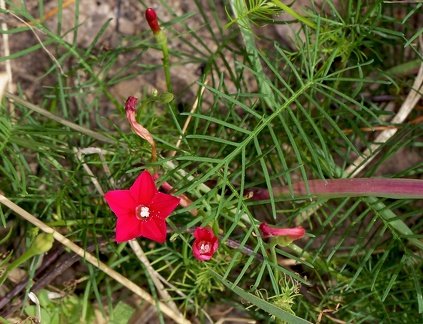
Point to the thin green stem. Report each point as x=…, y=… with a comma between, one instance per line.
x=321, y=266
x=166, y=66
x=274, y=258
x=42, y=243
x=294, y=14
x=162, y=41
x=238, y=7
x=185, y=252
x=393, y=221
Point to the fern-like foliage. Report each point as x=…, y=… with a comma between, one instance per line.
x=256, y=12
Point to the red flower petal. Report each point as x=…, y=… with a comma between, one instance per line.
x=215, y=243
x=203, y=234
x=154, y=228
x=200, y=257
x=163, y=204
x=144, y=189
x=127, y=229
x=121, y=203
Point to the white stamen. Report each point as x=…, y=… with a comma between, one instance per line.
x=145, y=212
x=142, y=212
x=205, y=248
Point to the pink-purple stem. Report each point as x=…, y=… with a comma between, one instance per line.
x=338, y=188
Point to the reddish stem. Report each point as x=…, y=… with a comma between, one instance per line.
x=336, y=188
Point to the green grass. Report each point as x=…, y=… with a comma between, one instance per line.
x=271, y=115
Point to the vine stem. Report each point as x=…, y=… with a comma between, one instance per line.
x=166, y=65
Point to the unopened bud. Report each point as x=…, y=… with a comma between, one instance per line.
x=151, y=17
x=42, y=243
x=166, y=97
x=131, y=103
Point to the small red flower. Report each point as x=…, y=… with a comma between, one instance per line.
x=141, y=210
x=293, y=233
x=205, y=244
x=151, y=17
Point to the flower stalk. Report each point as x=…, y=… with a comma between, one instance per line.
x=41, y=244
x=280, y=236
x=161, y=39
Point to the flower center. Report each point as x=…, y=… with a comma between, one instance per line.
x=204, y=247
x=142, y=212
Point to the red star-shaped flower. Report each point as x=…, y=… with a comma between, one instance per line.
x=141, y=210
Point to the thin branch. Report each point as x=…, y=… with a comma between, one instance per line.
x=60, y=120
x=136, y=247
x=41, y=43
x=188, y=120
x=101, y=153
x=8, y=63
x=52, y=12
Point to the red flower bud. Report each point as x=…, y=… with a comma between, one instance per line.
x=293, y=233
x=130, y=106
x=130, y=103
x=151, y=17
x=205, y=244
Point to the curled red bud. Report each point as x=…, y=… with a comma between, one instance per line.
x=142, y=132
x=151, y=17
x=130, y=103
